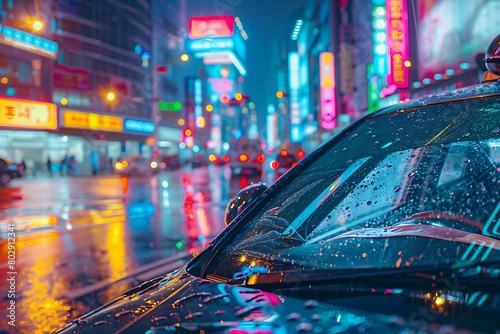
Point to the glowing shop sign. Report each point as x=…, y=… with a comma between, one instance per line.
x=211, y=26
x=27, y=114
x=139, y=126
x=296, y=134
x=397, y=33
x=32, y=43
x=379, y=42
x=82, y=120
x=209, y=44
x=327, y=90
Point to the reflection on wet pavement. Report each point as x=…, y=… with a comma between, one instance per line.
x=75, y=233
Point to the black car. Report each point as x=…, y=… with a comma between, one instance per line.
x=9, y=171
x=390, y=226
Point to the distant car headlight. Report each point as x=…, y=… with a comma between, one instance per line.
x=154, y=164
x=118, y=165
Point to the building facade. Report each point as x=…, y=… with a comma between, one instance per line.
x=78, y=80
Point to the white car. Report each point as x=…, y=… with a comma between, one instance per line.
x=138, y=165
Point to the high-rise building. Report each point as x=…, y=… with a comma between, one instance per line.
x=78, y=79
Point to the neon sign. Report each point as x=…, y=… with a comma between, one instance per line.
x=209, y=44
x=139, y=126
x=211, y=26
x=83, y=120
x=296, y=134
x=28, y=42
x=379, y=24
x=27, y=114
x=397, y=32
x=327, y=90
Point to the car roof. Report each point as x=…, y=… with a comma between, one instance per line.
x=475, y=91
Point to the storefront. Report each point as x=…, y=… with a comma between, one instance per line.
x=106, y=138
x=25, y=129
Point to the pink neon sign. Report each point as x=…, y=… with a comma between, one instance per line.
x=327, y=90
x=397, y=40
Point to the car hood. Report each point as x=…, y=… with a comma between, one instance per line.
x=180, y=303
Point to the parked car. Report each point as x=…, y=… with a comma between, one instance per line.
x=9, y=171
x=246, y=156
x=138, y=165
x=390, y=226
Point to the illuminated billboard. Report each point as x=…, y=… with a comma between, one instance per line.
x=379, y=41
x=213, y=39
x=219, y=51
x=450, y=42
x=327, y=90
x=211, y=26
x=398, y=43
x=18, y=113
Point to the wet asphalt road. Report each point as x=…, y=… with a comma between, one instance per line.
x=75, y=236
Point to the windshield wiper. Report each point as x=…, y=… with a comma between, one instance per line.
x=466, y=273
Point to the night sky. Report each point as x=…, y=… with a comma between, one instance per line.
x=262, y=20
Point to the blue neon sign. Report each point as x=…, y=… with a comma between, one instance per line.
x=139, y=126
x=13, y=36
x=209, y=44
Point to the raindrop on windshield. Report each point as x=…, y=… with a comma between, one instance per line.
x=397, y=188
x=495, y=130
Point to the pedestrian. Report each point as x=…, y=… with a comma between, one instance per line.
x=49, y=166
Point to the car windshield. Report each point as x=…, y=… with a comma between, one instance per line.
x=414, y=187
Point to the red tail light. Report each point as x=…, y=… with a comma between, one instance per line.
x=20, y=166
x=274, y=164
x=243, y=157
x=261, y=158
x=300, y=154
x=284, y=153
x=227, y=158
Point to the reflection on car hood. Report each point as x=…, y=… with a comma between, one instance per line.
x=181, y=303
x=420, y=230
x=485, y=89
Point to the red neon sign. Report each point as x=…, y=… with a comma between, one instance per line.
x=397, y=40
x=211, y=26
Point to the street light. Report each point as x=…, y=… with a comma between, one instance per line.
x=111, y=96
x=37, y=25
x=184, y=57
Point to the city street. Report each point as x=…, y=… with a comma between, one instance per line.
x=74, y=236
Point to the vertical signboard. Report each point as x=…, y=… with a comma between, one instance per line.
x=327, y=90
x=198, y=99
x=397, y=33
x=379, y=25
x=189, y=110
x=296, y=134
